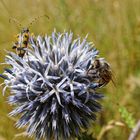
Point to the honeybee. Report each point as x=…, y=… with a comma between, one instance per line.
x=22, y=42
x=102, y=71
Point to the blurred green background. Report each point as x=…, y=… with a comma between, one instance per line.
x=114, y=27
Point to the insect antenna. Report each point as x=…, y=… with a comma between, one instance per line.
x=11, y=19
x=37, y=18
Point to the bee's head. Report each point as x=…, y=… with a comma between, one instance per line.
x=25, y=30
x=96, y=63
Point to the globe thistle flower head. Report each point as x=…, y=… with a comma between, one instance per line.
x=51, y=88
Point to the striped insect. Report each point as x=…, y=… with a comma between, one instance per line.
x=103, y=72
x=22, y=40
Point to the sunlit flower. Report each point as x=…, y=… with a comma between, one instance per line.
x=50, y=87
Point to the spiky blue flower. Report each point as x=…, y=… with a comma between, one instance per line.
x=50, y=86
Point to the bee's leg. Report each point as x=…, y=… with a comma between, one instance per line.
x=102, y=84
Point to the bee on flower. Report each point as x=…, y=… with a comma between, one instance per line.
x=102, y=72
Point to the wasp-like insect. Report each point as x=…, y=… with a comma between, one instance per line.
x=101, y=71
x=22, y=42
x=23, y=38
